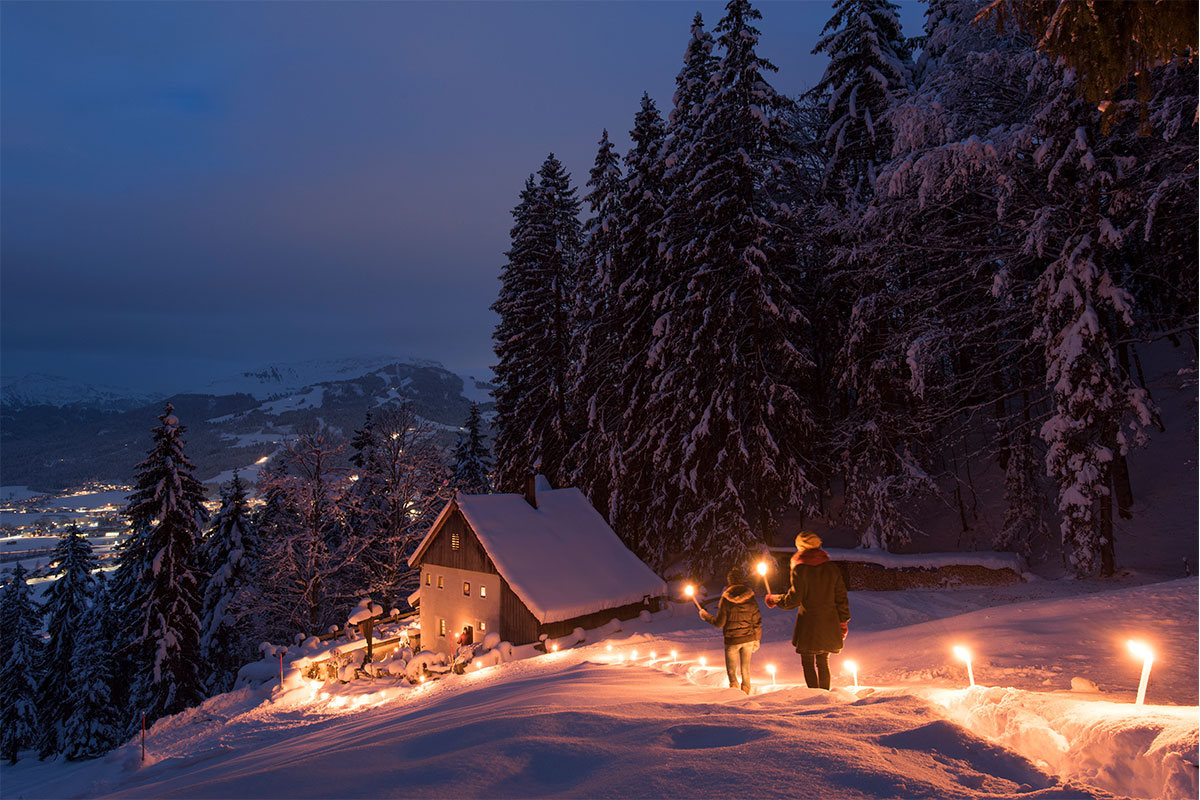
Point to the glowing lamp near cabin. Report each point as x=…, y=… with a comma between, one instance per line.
x=852, y=666
x=964, y=655
x=771, y=672
x=762, y=570
x=554, y=648
x=1142, y=651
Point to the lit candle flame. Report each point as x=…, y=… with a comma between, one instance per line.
x=1142, y=651
x=853, y=667
x=633, y=656
x=653, y=655
x=674, y=655
x=771, y=671
x=703, y=661
x=963, y=654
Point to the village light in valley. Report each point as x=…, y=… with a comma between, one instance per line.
x=853, y=667
x=963, y=654
x=1142, y=651
x=762, y=570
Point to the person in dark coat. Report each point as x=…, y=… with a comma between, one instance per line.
x=818, y=594
x=739, y=618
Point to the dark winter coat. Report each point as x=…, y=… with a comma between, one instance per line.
x=737, y=615
x=819, y=595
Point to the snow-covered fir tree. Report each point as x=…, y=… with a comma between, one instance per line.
x=64, y=604
x=533, y=337
x=730, y=347
x=20, y=624
x=472, y=469
x=230, y=557
x=596, y=328
x=643, y=206
x=869, y=65
x=92, y=727
x=165, y=574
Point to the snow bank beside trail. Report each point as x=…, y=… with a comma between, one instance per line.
x=990, y=560
x=1138, y=751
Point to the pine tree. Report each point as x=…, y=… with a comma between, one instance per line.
x=533, y=337
x=644, y=199
x=729, y=348
x=472, y=463
x=92, y=727
x=64, y=605
x=165, y=512
x=869, y=64
x=19, y=626
x=230, y=557
x=596, y=328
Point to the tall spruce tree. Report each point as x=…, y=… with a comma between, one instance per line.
x=19, y=626
x=730, y=348
x=230, y=556
x=471, y=473
x=595, y=329
x=165, y=512
x=533, y=337
x=643, y=206
x=92, y=727
x=869, y=64
x=64, y=605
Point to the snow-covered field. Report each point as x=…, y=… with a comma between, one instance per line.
x=1053, y=715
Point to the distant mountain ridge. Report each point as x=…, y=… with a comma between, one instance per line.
x=51, y=446
x=37, y=388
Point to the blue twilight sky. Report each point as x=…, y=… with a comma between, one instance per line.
x=189, y=189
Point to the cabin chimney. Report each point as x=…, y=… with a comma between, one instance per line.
x=531, y=489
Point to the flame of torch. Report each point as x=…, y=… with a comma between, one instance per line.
x=690, y=591
x=963, y=654
x=1142, y=651
x=762, y=570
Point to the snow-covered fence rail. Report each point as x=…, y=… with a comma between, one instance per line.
x=873, y=570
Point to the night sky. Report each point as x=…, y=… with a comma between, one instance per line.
x=192, y=189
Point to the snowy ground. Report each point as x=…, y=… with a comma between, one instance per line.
x=594, y=722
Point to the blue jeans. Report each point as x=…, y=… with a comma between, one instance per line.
x=738, y=655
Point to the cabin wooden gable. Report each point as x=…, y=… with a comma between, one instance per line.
x=456, y=545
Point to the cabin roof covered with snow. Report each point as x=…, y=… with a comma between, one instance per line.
x=561, y=559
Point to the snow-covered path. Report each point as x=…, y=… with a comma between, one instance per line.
x=590, y=722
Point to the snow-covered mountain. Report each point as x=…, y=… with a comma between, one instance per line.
x=38, y=388
x=232, y=424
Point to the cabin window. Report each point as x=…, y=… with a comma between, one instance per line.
x=441, y=582
x=482, y=590
x=454, y=542
x=482, y=626
x=428, y=578
x=441, y=627
x=467, y=588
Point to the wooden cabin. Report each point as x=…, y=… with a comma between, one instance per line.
x=524, y=565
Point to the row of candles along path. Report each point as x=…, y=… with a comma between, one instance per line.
x=1139, y=649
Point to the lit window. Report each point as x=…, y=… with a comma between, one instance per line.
x=454, y=543
x=441, y=582
x=441, y=627
x=467, y=588
x=482, y=626
x=428, y=578
x=482, y=590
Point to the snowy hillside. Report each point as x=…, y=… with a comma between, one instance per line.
x=53, y=390
x=1052, y=716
